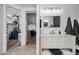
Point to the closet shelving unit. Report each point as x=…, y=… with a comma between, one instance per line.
x=11, y=22
x=9, y=42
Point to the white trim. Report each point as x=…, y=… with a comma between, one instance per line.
x=37, y=30
x=23, y=27
x=30, y=11
x=4, y=30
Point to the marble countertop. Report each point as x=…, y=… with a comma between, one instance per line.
x=58, y=35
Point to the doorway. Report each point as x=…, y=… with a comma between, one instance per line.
x=12, y=26
x=31, y=29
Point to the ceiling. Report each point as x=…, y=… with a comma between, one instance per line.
x=27, y=5
x=15, y=8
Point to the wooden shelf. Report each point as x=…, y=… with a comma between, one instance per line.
x=11, y=24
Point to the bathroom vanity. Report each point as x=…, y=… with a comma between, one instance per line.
x=52, y=36
x=57, y=41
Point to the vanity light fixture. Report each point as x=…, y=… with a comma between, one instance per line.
x=52, y=10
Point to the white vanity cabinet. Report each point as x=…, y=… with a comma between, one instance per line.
x=58, y=42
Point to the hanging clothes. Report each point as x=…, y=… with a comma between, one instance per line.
x=68, y=29
x=76, y=31
x=14, y=34
x=75, y=28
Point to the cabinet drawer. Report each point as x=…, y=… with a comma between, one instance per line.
x=65, y=39
x=57, y=44
x=65, y=44
x=52, y=38
x=52, y=45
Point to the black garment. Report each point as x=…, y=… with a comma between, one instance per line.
x=77, y=40
x=33, y=33
x=14, y=33
x=76, y=31
x=68, y=29
x=75, y=28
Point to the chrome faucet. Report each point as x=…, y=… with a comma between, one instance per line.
x=52, y=32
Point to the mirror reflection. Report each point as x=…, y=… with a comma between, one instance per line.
x=51, y=21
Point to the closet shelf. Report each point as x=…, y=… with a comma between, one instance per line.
x=11, y=24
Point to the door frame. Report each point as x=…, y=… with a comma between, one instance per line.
x=38, y=49
x=27, y=22
x=37, y=29
x=5, y=27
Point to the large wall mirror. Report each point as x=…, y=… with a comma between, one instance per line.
x=51, y=21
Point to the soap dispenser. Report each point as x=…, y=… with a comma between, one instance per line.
x=59, y=32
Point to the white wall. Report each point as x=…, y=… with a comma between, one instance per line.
x=1, y=28
x=77, y=12
x=69, y=10
x=27, y=7
x=23, y=28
